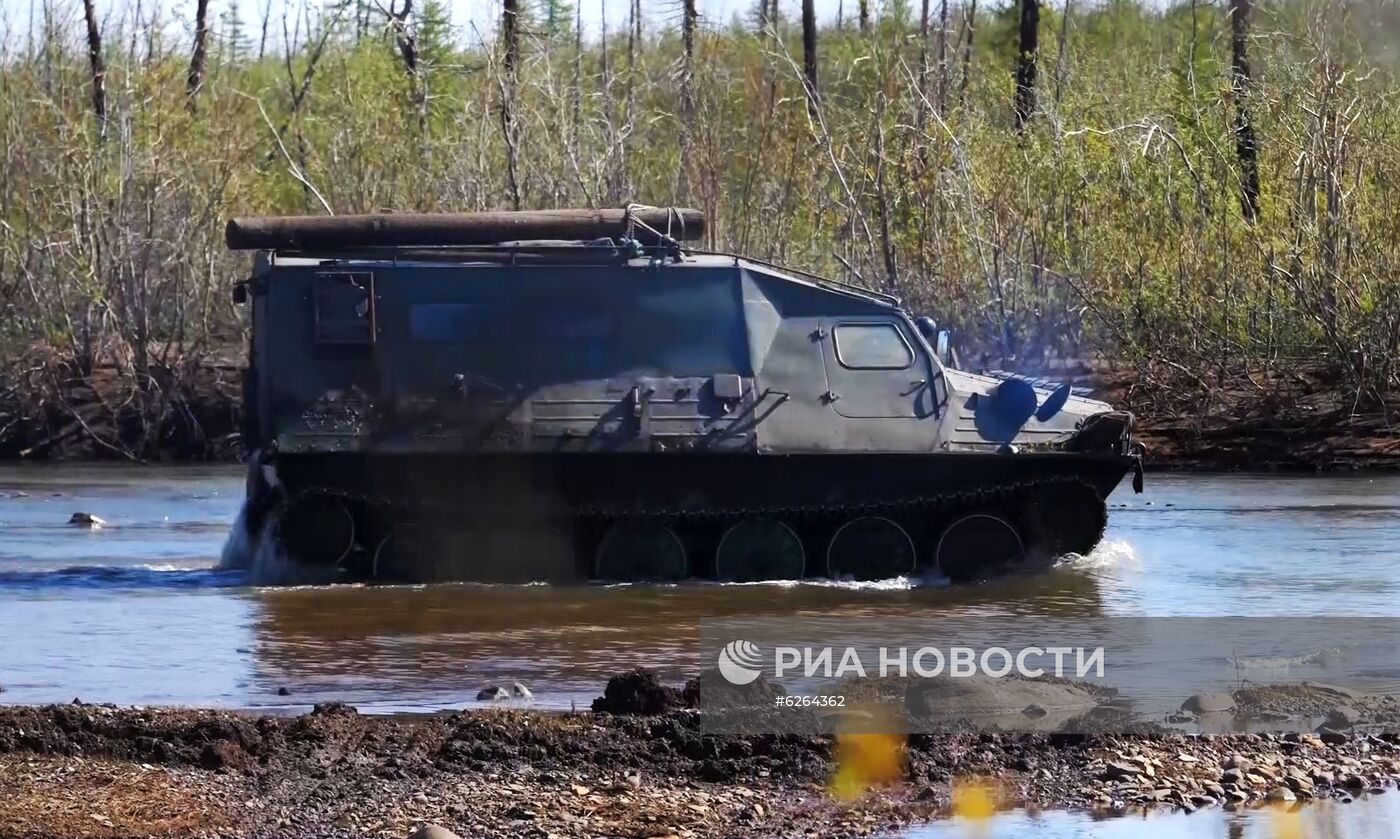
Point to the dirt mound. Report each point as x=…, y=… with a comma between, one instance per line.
x=149, y=736
x=637, y=691
x=711, y=690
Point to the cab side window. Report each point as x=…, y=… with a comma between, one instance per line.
x=345, y=308
x=872, y=346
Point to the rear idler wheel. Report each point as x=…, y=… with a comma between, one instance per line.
x=760, y=549
x=977, y=544
x=1068, y=519
x=870, y=548
x=648, y=552
x=318, y=530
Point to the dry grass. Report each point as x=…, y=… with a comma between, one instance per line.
x=42, y=796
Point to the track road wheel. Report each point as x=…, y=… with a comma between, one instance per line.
x=1070, y=518
x=318, y=530
x=760, y=549
x=384, y=562
x=975, y=544
x=406, y=554
x=640, y=552
x=870, y=548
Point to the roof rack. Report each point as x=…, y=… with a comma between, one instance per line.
x=597, y=252
x=649, y=225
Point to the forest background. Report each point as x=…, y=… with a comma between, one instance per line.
x=1192, y=204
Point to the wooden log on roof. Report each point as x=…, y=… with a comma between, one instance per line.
x=310, y=233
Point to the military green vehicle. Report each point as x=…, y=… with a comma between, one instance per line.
x=574, y=395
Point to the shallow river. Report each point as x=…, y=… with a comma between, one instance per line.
x=136, y=612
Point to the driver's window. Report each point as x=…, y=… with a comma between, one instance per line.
x=872, y=346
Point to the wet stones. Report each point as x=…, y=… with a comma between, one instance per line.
x=497, y=693
x=1300, y=785
x=432, y=831
x=1281, y=794
x=1343, y=716
x=1209, y=703
x=1121, y=771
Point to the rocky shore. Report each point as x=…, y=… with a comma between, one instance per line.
x=645, y=769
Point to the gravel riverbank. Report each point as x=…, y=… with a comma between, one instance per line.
x=102, y=771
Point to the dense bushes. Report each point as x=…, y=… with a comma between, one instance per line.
x=1112, y=224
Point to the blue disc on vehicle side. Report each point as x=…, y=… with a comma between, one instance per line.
x=1000, y=416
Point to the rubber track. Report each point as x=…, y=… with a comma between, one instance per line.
x=1013, y=499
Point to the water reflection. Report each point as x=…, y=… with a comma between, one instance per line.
x=403, y=644
x=1371, y=817
x=134, y=613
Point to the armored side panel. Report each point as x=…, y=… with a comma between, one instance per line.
x=445, y=357
x=842, y=372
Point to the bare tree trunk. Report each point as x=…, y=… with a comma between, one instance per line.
x=863, y=11
x=262, y=40
x=620, y=183
x=1029, y=42
x=923, y=59
x=407, y=41
x=886, y=244
x=809, y=53
x=510, y=36
x=942, y=56
x=689, y=21
x=404, y=37
x=576, y=103
x=967, y=52
x=1246, y=144
x=195, y=78
x=99, y=68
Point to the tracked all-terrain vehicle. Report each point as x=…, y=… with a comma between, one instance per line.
x=573, y=395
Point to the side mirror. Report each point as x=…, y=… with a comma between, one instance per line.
x=944, y=347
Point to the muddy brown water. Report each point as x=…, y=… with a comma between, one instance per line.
x=137, y=612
